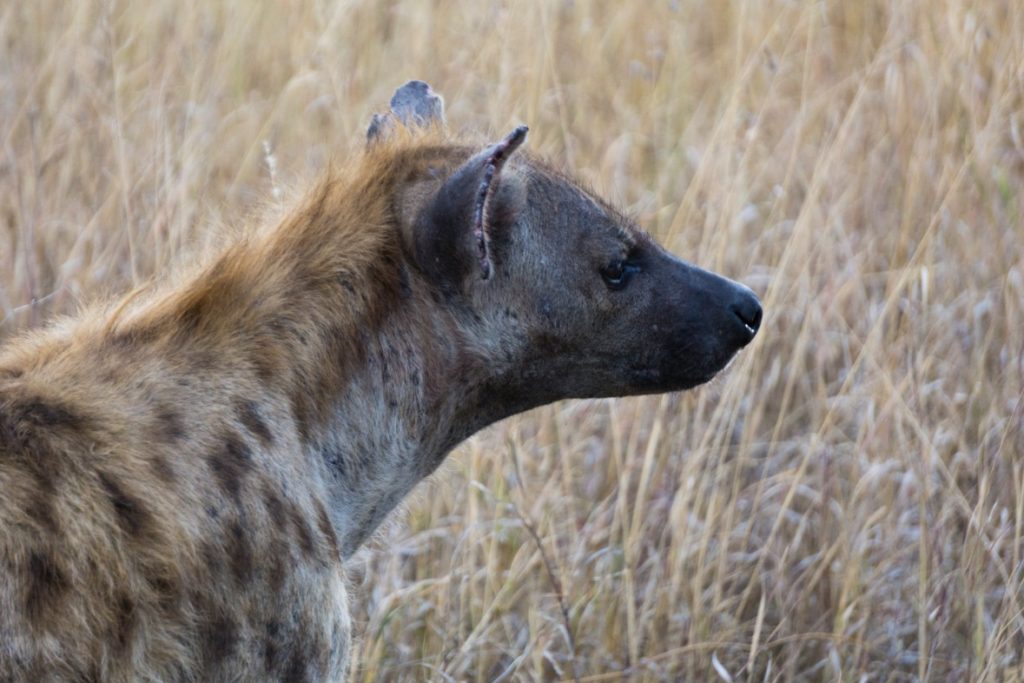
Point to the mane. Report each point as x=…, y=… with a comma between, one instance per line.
x=339, y=235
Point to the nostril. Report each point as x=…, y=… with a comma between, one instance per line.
x=748, y=310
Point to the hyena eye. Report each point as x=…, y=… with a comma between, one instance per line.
x=617, y=273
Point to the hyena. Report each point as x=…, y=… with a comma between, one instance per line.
x=184, y=473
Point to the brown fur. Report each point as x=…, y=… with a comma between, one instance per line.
x=151, y=458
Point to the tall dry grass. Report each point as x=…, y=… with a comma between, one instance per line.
x=846, y=504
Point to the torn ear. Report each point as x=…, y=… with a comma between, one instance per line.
x=452, y=233
x=414, y=105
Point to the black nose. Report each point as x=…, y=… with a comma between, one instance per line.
x=747, y=310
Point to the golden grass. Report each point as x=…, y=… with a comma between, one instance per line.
x=847, y=503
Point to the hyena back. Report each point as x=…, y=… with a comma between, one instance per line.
x=184, y=473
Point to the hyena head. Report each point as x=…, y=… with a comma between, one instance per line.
x=566, y=290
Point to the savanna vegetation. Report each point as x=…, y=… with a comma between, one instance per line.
x=845, y=503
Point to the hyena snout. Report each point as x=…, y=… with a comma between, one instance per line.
x=713, y=318
x=746, y=309
x=730, y=313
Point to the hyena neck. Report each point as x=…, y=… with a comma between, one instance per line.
x=421, y=390
x=383, y=374
x=327, y=318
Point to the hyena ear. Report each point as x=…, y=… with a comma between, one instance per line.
x=415, y=105
x=452, y=232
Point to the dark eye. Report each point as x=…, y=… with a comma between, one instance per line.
x=617, y=273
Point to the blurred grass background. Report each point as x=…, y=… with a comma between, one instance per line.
x=847, y=503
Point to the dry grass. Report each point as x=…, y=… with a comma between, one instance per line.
x=847, y=503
